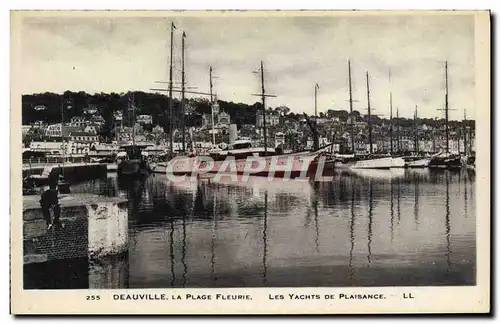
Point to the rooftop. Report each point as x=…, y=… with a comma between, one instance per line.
x=82, y=134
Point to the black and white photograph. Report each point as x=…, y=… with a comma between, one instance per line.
x=210, y=150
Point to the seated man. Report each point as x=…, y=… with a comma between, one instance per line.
x=49, y=200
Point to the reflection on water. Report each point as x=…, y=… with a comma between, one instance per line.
x=370, y=222
x=351, y=235
x=264, y=240
x=447, y=224
x=412, y=227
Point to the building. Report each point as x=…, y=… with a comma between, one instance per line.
x=324, y=120
x=206, y=121
x=291, y=125
x=83, y=137
x=98, y=120
x=25, y=129
x=362, y=145
x=406, y=144
x=144, y=119
x=123, y=133
x=47, y=147
x=323, y=141
x=458, y=146
x=91, y=109
x=426, y=146
x=158, y=129
x=279, y=139
x=221, y=119
x=272, y=119
x=103, y=150
x=54, y=131
x=93, y=129
x=76, y=148
x=118, y=116
x=78, y=122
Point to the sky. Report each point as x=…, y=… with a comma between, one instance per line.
x=120, y=54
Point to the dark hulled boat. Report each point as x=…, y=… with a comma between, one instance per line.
x=132, y=163
x=445, y=161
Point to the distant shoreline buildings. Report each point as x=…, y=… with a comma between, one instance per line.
x=83, y=135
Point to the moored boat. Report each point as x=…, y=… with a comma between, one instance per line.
x=417, y=162
x=379, y=163
x=445, y=161
x=247, y=160
x=470, y=163
x=381, y=174
x=131, y=162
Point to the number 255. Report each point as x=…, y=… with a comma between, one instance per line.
x=93, y=297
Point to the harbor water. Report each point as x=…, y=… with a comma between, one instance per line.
x=364, y=228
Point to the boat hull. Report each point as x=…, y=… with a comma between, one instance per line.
x=379, y=163
x=131, y=168
x=445, y=163
x=292, y=165
x=382, y=174
x=420, y=163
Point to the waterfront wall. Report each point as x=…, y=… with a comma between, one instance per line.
x=108, y=229
x=94, y=227
x=72, y=172
x=109, y=273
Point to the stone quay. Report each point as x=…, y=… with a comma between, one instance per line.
x=93, y=227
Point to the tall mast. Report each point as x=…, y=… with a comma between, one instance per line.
x=433, y=140
x=62, y=133
x=171, y=138
x=350, y=107
x=369, y=114
x=121, y=121
x=183, y=89
x=316, y=87
x=211, y=85
x=446, y=106
x=390, y=114
x=470, y=139
x=416, y=130
x=465, y=132
x=263, y=96
x=133, y=121
x=263, y=105
x=212, y=107
x=397, y=131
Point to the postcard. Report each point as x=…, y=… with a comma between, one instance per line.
x=250, y=162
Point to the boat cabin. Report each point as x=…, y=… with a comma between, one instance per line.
x=241, y=144
x=241, y=149
x=131, y=152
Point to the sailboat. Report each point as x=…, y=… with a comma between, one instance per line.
x=160, y=166
x=416, y=161
x=242, y=158
x=444, y=159
x=63, y=185
x=241, y=151
x=371, y=161
x=130, y=161
x=469, y=159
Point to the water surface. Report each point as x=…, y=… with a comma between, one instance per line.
x=370, y=228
